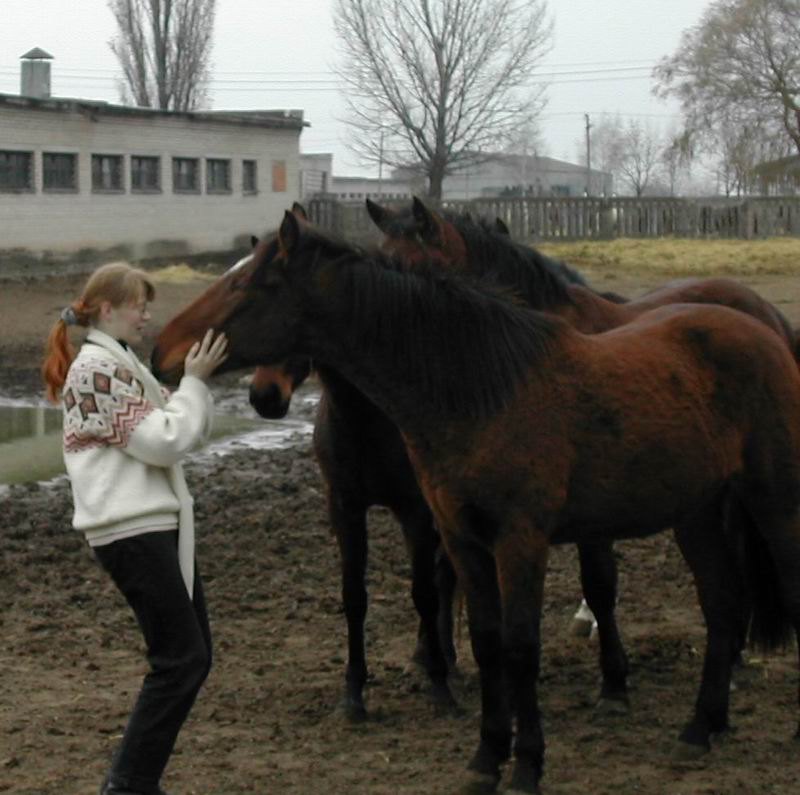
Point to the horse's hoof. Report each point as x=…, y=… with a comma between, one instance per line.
x=608, y=707
x=688, y=752
x=475, y=783
x=445, y=705
x=354, y=711
x=524, y=780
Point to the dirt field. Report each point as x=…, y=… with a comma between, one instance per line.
x=268, y=719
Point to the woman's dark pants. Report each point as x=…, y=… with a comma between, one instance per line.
x=175, y=628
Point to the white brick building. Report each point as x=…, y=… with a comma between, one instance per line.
x=84, y=179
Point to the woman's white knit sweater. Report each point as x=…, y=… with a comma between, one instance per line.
x=124, y=436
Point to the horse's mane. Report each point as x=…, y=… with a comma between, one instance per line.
x=464, y=342
x=541, y=281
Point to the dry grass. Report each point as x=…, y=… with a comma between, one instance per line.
x=672, y=256
x=179, y=274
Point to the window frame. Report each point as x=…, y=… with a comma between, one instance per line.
x=176, y=188
x=54, y=170
x=120, y=160
x=30, y=186
x=211, y=172
x=137, y=160
x=252, y=189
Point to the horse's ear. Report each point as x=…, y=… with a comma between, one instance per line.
x=501, y=228
x=299, y=211
x=253, y=241
x=427, y=225
x=289, y=232
x=380, y=215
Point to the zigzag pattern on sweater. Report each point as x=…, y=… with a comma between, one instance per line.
x=103, y=405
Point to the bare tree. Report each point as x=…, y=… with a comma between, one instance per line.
x=164, y=48
x=675, y=160
x=606, y=144
x=435, y=86
x=739, y=149
x=640, y=148
x=739, y=66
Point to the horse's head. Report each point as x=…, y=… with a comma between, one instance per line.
x=418, y=234
x=257, y=304
x=272, y=386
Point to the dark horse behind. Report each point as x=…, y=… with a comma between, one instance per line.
x=534, y=433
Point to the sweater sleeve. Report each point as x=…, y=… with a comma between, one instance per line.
x=105, y=405
x=165, y=436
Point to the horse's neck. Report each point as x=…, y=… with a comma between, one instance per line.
x=591, y=313
x=344, y=399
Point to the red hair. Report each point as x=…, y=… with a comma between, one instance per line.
x=118, y=283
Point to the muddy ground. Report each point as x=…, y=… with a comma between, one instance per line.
x=268, y=720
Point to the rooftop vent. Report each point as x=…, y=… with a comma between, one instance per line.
x=35, y=74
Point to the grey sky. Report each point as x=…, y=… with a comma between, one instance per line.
x=279, y=55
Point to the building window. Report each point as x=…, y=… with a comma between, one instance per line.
x=279, y=176
x=16, y=171
x=218, y=176
x=185, y=175
x=107, y=173
x=59, y=171
x=145, y=173
x=249, y=182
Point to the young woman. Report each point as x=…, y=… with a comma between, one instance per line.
x=124, y=436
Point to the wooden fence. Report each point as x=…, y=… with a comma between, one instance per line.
x=534, y=219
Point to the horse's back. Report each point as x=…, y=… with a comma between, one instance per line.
x=720, y=291
x=626, y=429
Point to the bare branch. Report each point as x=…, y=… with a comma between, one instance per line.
x=164, y=47
x=739, y=67
x=435, y=85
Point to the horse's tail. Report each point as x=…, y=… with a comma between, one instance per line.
x=764, y=608
x=796, y=345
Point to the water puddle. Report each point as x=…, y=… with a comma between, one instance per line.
x=30, y=439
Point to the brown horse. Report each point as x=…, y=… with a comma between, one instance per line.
x=524, y=432
x=364, y=463
x=419, y=233
x=416, y=233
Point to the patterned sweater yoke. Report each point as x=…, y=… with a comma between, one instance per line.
x=103, y=404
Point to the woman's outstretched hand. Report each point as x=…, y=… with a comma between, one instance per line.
x=204, y=357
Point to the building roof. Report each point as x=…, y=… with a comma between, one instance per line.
x=37, y=54
x=273, y=119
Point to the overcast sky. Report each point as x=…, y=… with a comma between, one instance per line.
x=271, y=54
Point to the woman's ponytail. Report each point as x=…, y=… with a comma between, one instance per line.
x=59, y=353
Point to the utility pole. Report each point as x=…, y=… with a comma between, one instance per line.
x=380, y=167
x=588, y=156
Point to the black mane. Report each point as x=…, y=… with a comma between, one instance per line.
x=460, y=340
x=541, y=281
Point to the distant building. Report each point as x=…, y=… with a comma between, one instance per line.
x=778, y=177
x=317, y=179
x=523, y=175
x=87, y=179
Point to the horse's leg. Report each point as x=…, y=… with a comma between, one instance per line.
x=599, y=581
x=349, y=523
x=477, y=576
x=422, y=541
x=521, y=578
x=446, y=583
x=773, y=560
x=719, y=589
